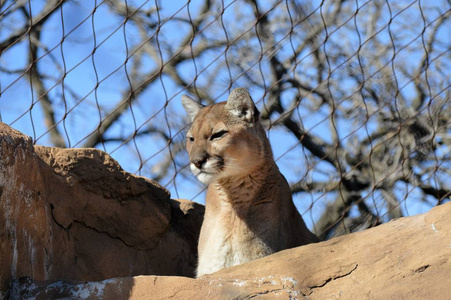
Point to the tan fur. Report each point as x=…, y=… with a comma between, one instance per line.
x=249, y=209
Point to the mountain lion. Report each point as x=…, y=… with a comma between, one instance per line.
x=249, y=210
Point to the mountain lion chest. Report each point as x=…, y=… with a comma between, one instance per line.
x=227, y=241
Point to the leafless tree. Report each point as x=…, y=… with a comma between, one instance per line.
x=363, y=87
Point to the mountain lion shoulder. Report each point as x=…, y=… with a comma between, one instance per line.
x=249, y=209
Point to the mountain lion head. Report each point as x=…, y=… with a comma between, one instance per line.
x=225, y=139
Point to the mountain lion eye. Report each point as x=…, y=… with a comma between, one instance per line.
x=218, y=135
x=191, y=139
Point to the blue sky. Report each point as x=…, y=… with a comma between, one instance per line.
x=97, y=79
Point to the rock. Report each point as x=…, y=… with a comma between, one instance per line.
x=409, y=258
x=74, y=214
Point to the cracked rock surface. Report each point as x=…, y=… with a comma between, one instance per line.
x=409, y=258
x=74, y=214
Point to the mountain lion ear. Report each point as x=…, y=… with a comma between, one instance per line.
x=240, y=105
x=191, y=106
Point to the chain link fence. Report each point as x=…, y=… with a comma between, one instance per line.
x=355, y=95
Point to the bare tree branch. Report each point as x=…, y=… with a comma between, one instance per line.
x=36, y=80
x=50, y=7
x=137, y=88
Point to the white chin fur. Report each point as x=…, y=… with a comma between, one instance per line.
x=205, y=178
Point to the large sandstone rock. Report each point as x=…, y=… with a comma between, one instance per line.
x=409, y=258
x=74, y=214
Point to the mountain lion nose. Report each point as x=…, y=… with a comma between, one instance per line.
x=199, y=162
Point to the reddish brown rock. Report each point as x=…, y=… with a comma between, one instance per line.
x=409, y=258
x=74, y=214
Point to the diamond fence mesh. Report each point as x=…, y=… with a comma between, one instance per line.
x=355, y=95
